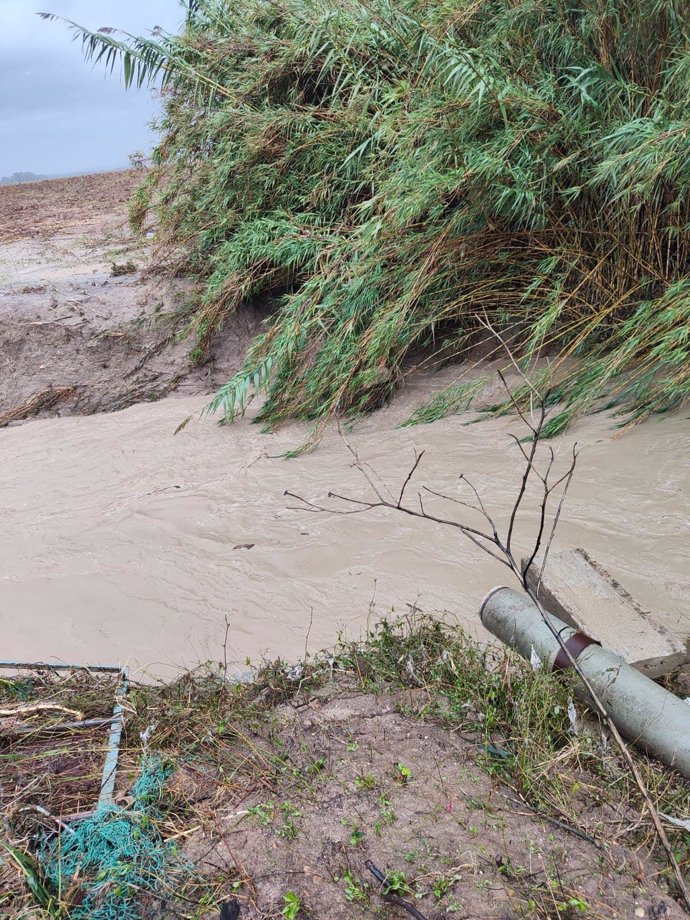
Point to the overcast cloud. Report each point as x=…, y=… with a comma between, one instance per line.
x=57, y=113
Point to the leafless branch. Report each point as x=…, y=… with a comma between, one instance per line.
x=501, y=549
x=418, y=460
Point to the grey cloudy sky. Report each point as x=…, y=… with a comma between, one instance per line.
x=57, y=113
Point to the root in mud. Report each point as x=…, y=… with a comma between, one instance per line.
x=46, y=399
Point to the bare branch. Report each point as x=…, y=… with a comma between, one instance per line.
x=529, y=467
x=486, y=323
x=516, y=404
x=417, y=461
x=493, y=545
x=568, y=479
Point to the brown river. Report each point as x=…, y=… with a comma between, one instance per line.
x=122, y=542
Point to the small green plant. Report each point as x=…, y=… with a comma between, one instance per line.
x=353, y=891
x=123, y=268
x=479, y=803
x=365, y=781
x=15, y=689
x=403, y=773
x=28, y=867
x=264, y=813
x=396, y=883
x=288, y=829
x=386, y=811
x=292, y=905
x=575, y=903
x=442, y=885
x=357, y=836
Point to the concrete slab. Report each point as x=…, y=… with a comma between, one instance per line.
x=583, y=594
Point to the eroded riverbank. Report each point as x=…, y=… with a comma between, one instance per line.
x=122, y=542
x=84, y=326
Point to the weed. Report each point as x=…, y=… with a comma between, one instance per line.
x=356, y=836
x=264, y=813
x=15, y=689
x=442, y=885
x=288, y=829
x=403, y=774
x=386, y=811
x=353, y=891
x=577, y=903
x=123, y=268
x=292, y=905
x=396, y=883
x=317, y=766
x=365, y=781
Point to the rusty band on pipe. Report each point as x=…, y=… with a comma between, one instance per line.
x=576, y=644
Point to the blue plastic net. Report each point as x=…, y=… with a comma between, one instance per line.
x=118, y=855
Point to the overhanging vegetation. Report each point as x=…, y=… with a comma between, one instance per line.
x=393, y=171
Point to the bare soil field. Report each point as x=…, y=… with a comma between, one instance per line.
x=53, y=206
x=83, y=327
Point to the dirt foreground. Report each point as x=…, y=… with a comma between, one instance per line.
x=282, y=799
x=412, y=798
x=82, y=327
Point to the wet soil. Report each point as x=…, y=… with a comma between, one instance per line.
x=83, y=327
x=300, y=800
x=466, y=845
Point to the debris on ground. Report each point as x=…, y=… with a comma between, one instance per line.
x=339, y=790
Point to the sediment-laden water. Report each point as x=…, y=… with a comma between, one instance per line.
x=122, y=542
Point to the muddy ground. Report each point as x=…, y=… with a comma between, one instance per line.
x=294, y=807
x=412, y=798
x=83, y=326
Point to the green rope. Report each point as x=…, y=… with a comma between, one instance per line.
x=119, y=853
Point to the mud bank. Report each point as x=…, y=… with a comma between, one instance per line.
x=80, y=316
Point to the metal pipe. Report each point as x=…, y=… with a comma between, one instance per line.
x=644, y=712
x=107, y=794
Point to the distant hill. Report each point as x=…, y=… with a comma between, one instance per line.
x=21, y=177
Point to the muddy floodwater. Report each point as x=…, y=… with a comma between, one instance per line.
x=122, y=542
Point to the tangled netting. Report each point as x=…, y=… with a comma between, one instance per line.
x=118, y=854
